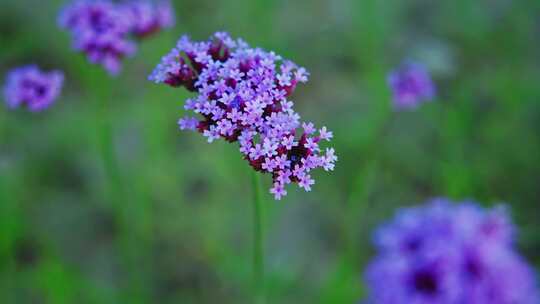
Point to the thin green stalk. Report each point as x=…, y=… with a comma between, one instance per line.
x=108, y=155
x=116, y=192
x=362, y=188
x=9, y=219
x=258, y=252
x=100, y=89
x=370, y=156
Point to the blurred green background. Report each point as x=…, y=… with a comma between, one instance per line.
x=183, y=231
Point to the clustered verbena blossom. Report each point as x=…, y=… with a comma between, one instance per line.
x=446, y=253
x=103, y=29
x=411, y=85
x=30, y=87
x=242, y=96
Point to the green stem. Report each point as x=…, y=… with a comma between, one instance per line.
x=106, y=146
x=258, y=253
x=370, y=157
x=362, y=187
x=100, y=88
x=116, y=192
x=8, y=205
x=8, y=224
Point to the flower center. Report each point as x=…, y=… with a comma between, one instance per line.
x=40, y=91
x=235, y=104
x=425, y=282
x=296, y=154
x=473, y=267
x=98, y=21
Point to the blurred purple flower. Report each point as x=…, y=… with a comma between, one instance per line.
x=242, y=97
x=411, y=85
x=444, y=254
x=30, y=87
x=102, y=29
x=149, y=17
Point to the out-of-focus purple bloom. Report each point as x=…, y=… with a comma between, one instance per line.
x=449, y=254
x=411, y=85
x=103, y=29
x=100, y=30
x=242, y=96
x=32, y=88
x=149, y=17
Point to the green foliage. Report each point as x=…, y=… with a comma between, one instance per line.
x=182, y=233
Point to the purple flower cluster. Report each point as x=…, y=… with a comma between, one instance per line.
x=242, y=96
x=30, y=87
x=411, y=85
x=449, y=254
x=102, y=29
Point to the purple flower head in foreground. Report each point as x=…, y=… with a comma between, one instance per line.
x=449, y=254
x=242, y=96
x=36, y=90
x=103, y=29
x=411, y=85
x=149, y=17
